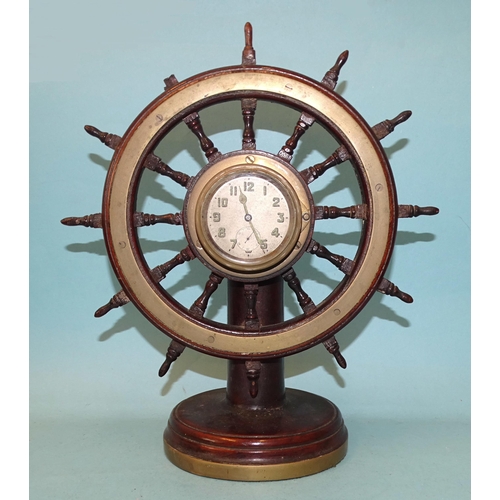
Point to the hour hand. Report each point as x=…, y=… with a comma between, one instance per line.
x=243, y=201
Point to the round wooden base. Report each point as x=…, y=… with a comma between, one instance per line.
x=208, y=436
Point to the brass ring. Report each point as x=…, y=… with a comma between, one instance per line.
x=291, y=89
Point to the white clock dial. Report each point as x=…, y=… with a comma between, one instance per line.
x=248, y=217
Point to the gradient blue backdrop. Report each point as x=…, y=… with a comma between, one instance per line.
x=97, y=406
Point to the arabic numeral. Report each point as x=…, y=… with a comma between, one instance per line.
x=216, y=216
x=222, y=232
x=281, y=217
x=222, y=202
x=276, y=202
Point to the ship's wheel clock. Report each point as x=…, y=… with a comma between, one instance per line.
x=248, y=217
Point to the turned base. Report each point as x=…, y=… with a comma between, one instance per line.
x=210, y=436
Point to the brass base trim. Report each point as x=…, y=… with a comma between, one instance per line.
x=273, y=472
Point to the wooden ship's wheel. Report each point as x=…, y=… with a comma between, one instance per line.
x=249, y=216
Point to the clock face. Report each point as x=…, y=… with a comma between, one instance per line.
x=248, y=216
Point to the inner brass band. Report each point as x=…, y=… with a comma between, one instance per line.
x=236, y=472
x=227, y=83
x=232, y=166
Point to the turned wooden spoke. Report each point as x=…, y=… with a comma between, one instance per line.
x=337, y=260
x=91, y=220
x=341, y=154
x=332, y=346
x=253, y=369
x=250, y=293
x=170, y=82
x=303, y=299
x=152, y=162
x=118, y=300
x=248, y=107
x=175, y=349
x=286, y=152
x=140, y=219
x=361, y=211
x=352, y=212
x=194, y=123
x=158, y=273
x=346, y=266
x=332, y=76
x=389, y=288
x=384, y=128
x=200, y=304
x=407, y=211
x=110, y=140
x=306, y=120
x=338, y=156
x=248, y=55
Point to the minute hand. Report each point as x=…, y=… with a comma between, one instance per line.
x=243, y=201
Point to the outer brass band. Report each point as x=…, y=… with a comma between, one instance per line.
x=237, y=472
x=379, y=195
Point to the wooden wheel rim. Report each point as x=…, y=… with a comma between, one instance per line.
x=376, y=183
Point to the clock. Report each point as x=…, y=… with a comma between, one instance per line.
x=248, y=216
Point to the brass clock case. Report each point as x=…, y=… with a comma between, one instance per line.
x=235, y=170
x=338, y=118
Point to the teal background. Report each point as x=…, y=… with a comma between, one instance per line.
x=97, y=407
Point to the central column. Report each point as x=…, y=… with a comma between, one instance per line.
x=270, y=310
